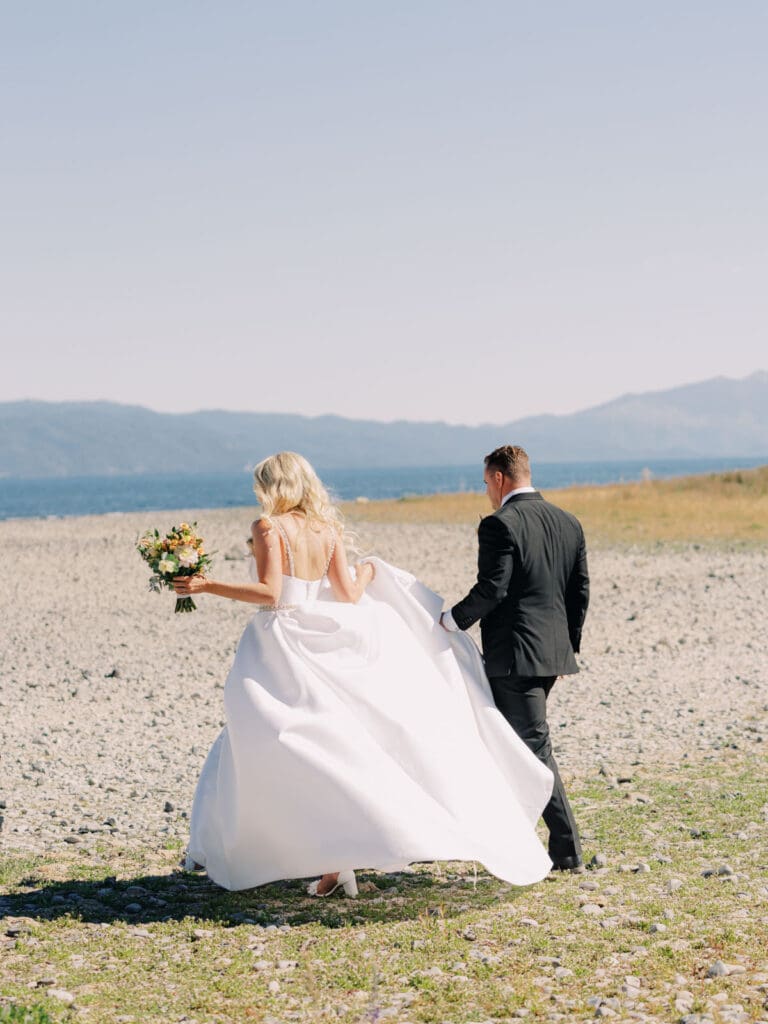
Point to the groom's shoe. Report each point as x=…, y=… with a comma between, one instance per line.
x=573, y=864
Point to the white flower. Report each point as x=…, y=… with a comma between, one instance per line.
x=167, y=565
x=187, y=556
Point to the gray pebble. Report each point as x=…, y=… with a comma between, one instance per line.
x=719, y=969
x=61, y=994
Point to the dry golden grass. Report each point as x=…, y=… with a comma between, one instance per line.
x=718, y=507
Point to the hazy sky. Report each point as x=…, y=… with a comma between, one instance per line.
x=435, y=210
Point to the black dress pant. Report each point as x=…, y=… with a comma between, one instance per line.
x=523, y=702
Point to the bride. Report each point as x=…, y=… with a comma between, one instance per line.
x=359, y=733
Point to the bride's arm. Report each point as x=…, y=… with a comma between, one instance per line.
x=269, y=563
x=344, y=587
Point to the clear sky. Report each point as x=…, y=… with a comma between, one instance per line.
x=468, y=211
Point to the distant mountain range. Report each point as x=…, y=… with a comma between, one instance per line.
x=720, y=417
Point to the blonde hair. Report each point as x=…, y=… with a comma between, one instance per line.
x=286, y=482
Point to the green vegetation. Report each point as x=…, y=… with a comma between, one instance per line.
x=684, y=887
x=16, y=1014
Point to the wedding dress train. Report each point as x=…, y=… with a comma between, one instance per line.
x=363, y=736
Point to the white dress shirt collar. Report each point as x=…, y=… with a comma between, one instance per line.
x=517, y=490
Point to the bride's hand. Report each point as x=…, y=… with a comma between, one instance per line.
x=185, y=585
x=365, y=572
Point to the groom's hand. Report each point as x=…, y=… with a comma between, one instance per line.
x=446, y=621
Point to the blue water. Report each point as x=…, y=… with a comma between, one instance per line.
x=76, y=496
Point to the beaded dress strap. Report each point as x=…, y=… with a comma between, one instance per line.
x=330, y=556
x=286, y=542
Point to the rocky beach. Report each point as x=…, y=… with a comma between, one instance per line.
x=109, y=702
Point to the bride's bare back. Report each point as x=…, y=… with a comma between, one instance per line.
x=288, y=545
x=307, y=549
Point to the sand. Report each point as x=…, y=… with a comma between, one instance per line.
x=109, y=702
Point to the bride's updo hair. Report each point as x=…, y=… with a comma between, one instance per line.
x=286, y=482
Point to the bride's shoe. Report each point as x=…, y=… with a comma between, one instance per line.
x=346, y=879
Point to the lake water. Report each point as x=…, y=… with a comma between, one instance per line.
x=75, y=496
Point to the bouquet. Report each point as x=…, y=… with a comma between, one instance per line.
x=179, y=553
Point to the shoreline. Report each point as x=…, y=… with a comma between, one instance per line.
x=718, y=509
x=434, y=506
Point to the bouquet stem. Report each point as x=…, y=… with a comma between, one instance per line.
x=185, y=604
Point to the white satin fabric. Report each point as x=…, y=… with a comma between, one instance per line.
x=363, y=736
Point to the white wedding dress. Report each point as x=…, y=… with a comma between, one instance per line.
x=363, y=736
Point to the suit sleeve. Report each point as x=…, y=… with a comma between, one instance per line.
x=577, y=596
x=495, y=560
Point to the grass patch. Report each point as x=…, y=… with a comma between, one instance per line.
x=685, y=885
x=716, y=508
x=16, y=1014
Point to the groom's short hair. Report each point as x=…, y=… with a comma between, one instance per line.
x=511, y=460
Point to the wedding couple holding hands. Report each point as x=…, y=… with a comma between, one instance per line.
x=364, y=729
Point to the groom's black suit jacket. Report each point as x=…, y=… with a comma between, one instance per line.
x=532, y=589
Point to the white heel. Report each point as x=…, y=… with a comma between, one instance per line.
x=346, y=880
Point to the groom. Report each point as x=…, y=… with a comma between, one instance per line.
x=531, y=598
